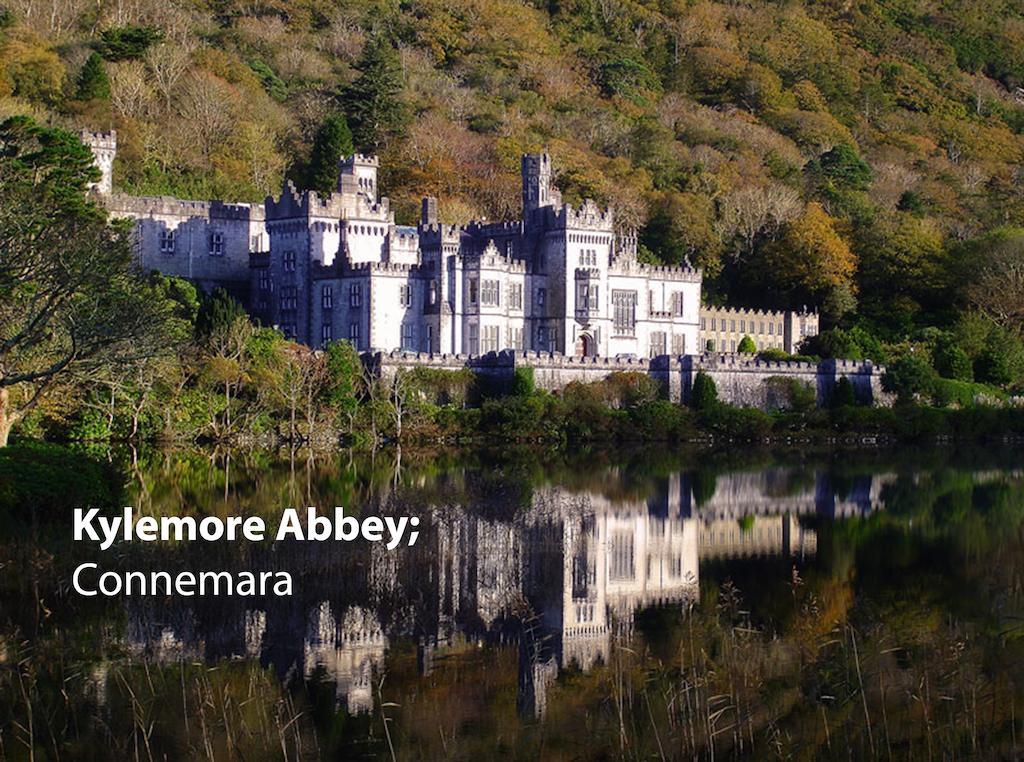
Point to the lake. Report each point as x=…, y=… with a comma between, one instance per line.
x=736, y=603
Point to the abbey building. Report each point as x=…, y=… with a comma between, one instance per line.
x=338, y=267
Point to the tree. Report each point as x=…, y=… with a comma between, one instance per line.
x=997, y=285
x=908, y=378
x=344, y=375
x=375, y=107
x=76, y=314
x=747, y=346
x=216, y=312
x=93, y=82
x=125, y=43
x=843, y=168
x=809, y=261
x=682, y=229
x=704, y=395
x=333, y=140
x=950, y=360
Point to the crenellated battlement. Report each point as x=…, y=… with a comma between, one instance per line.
x=740, y=380
x=367, y=160
x=147, y=206
x=102, y=139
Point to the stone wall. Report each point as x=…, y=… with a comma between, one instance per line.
x=740, y=379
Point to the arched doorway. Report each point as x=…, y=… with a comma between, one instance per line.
x=586, y=346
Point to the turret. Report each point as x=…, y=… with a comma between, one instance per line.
x=357, y=174
x=104, y=148
x=538, y=190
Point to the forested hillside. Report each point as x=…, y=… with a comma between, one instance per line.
x=863, y=158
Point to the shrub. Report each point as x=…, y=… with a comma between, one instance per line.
x=747, y=346
x=660, y=420
x=704, y=395
x=785, y=393
x=523, y=384
x=909, y=377
x=951, y=361
x=50, y=478
x=843, y=394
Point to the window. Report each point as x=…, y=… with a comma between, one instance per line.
x=743, y=326
x=620, y=565
x=325, y=334
x=679, y=343
x=490, y=293
x=264, y=281
x=677, y=303
x=515, y=296
x=761, y=327
x=541, y=297
x=353, y=334
x=771, y=329
x=472, y=291
x=703, y=323
x=216, y=244
x=657, y=343
x=355, y=295
x=586, y=297
x=624, y=312
x=405, y=296
x=166, y=241
x=432, y=292
x=430, y=339
x=409, y=336
x=289, y=298
x=327, y=297
x=490, y=339
x=515, y=339
x=288, y=261
x=256, y=243
x=732, y=325
x=473, y=339
x=542, y=338
x=714, y=324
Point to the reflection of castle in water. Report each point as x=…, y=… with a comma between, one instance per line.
x=562, y=577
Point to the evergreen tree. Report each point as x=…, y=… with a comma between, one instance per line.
x=217, y=312
x=92, y=80
x=333, y=140
x=375, y=108
x=704, y=395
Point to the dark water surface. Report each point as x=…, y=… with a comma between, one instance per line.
x=708, y=605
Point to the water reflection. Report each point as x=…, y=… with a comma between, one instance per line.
x=559, y=570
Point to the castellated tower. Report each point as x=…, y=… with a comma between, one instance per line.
x=104, y=148
x=538, y=190
x=357, y=174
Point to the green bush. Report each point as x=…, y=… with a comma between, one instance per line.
x=948, y=391
x=909, y=377
x=843, y=394
x=951, y=361
x=747, y=346
x=52, y=479
x=704, y=395
x=523, y=384
x=785, y=393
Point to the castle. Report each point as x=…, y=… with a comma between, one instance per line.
x=332, y=267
